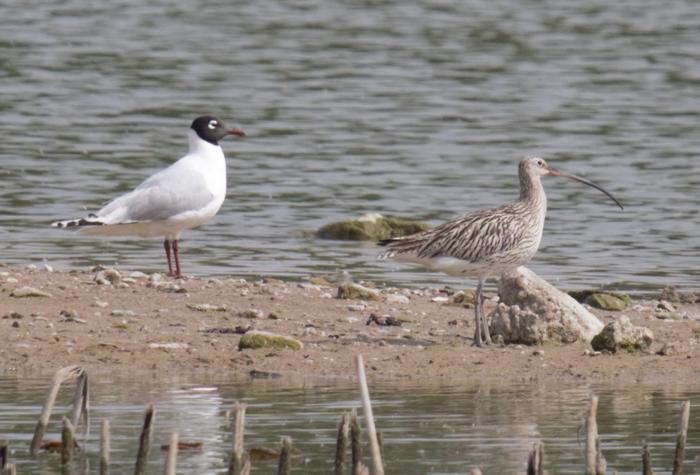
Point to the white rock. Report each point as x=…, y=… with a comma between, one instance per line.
x=533, y=311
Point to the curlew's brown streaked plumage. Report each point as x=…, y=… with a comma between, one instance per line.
x=486, y=243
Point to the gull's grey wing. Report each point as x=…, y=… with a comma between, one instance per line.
x=162, y=196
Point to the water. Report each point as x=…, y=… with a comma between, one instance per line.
x=408, y=108
x=441, y=429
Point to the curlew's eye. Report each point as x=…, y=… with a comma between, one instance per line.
x=213, y=124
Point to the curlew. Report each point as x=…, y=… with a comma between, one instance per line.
x=184, y=195
x=486, y=243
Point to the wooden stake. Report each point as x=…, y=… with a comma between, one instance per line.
x=145, y=442
x=6, y=468
x=355, y=440
x=81, y=402
x=681, y=439
x=534, y=459
x=105, y=447
x=361, y=469
x=377, y=466
x=62, y=375
x=592, y=443
x=284, y=467
x=67, y=441
x=341, y=446
x=646, y=461
x=239, y=462
x=171, y=459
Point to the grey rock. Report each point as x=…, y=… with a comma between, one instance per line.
x=621, y=335
x=533, y=311
x=351, y=290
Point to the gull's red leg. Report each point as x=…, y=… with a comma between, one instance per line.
x=166, y=245
x=177, y=259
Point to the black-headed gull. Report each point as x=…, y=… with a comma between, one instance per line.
x=183, y=196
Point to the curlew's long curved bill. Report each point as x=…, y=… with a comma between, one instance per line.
x=555, y=172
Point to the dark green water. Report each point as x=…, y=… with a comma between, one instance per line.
x=419, y=108
x=432, y=429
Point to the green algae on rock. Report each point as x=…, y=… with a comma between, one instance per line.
x=259, y=339
x=603, y=300
x=371, y=227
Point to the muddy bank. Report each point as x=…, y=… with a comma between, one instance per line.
x=125, y=321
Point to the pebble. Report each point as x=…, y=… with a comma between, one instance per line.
x=122, y=313
x=207, y=307
x=169, y=346
x=11, y=280
x=397, y=299
x=356, y=308
x=100, y=303
x=440, y=299
x=253, y=313
x=28, y=292
x=665, y=305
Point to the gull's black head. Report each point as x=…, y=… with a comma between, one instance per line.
x=212, y=130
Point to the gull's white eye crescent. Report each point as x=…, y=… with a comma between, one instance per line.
x=213, y=124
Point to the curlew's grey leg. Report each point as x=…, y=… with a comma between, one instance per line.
x=477, y=316
x=484, y=320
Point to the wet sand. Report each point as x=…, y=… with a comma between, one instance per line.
x=152, y=322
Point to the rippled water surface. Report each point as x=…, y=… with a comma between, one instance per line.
x=409, y=108
x=426, y=429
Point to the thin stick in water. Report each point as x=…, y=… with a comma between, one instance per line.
x=284, y=467
x=361, y=469
x=62, y=375
x=681, y=438
x=341, y=446
x=377, y=466
x=81, y=403
x=67, y=441
x=534, y=459
x=646, y=461
x=171, y=459
x=239, y=458
x=145, y=442
x=105, y=447
x=355, y=438
x=591, y=436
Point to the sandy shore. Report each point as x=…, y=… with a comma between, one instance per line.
x=152, y=322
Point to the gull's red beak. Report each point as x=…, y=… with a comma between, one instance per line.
x=235, y=131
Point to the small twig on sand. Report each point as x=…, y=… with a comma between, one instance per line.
x=681, y=439
x=145, y=442
x=377, y=466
